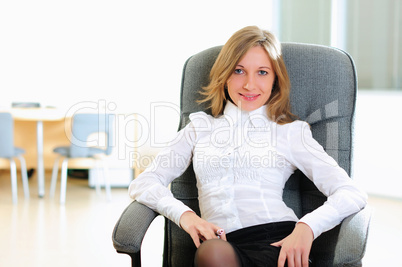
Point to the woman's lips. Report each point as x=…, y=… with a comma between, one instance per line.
x=249, y=97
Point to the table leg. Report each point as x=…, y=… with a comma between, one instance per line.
x=41, y=171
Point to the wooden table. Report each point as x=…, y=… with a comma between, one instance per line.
x=39, y=115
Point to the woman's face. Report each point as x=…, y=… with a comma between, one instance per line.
x=250, y=85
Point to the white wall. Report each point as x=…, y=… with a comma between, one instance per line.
x=378, y=143
x=128, y=53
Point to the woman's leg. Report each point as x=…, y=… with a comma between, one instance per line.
x=216, y=253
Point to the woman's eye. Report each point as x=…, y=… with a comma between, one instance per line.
x=263, y=72
x=238, y=71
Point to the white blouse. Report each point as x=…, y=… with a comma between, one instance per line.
x=242, y=161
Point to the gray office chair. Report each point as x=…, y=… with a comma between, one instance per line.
x=323, y=94
x=9, y=151
x=83, y=126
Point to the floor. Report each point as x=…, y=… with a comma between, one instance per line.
x=40, y=232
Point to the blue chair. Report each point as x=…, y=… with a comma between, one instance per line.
x=83, y=126
x=8, y=151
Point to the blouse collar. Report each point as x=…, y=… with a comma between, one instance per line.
x=256, y=118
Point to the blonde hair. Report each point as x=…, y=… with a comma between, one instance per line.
x=230, y=55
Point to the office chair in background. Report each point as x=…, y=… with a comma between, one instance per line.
x=84, y=126
x=9, y=151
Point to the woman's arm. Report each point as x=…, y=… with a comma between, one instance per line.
x=344, y=197
x=151, y=187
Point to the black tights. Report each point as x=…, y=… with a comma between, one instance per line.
x=216, y=253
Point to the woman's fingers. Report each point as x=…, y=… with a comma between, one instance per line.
x=295, y=248
x=196, y=239
x=293, y=259
x=220, y=233
x=200, y=229
x=277, y=244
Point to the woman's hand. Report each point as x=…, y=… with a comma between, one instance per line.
x=296, y=247
x=199, y=228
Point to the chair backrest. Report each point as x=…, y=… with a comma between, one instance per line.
x=323, y=93
x=86, y=124
x=6, y=135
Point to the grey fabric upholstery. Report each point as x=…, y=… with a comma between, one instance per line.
x=323, y=94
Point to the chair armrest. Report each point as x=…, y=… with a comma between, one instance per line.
x=352, y=239
x=130, y=229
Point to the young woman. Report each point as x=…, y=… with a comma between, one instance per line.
x=242, y=156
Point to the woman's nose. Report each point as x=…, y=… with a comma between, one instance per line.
x=249, y=83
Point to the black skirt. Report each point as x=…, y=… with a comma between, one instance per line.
x=252, y=244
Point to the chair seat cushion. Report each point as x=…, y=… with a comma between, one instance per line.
x=10, y=153
x=90, y=151
x=18, y=151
